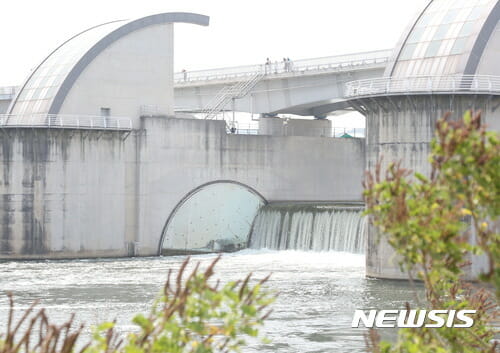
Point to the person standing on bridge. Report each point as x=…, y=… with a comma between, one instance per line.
x=268, y=66
x=184, y=75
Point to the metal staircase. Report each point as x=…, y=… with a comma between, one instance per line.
x=230, y=93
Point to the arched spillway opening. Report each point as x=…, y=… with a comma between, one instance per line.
x=214, y=217
x=312, y=227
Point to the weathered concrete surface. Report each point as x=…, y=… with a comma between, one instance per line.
x=178, y=155
x=404, y=135
x=295, y=127
x=63, y=193
x=75, y=193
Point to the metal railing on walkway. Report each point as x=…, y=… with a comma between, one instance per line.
x=334, y=132
x=450, y=84
x=338, y=62
x=51, y=121
x=244, y=128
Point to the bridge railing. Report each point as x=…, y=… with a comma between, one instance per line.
x=52, y=121
x=423, y=84
x=276, y=67
x=279, y=67
x=334, y=131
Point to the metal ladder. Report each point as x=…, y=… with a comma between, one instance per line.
x=230, y=93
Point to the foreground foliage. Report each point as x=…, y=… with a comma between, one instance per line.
x=191, y=316
x=430, y=221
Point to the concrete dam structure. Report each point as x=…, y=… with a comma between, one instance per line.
x=101, y=158
x=78, y=180
x=86, y=193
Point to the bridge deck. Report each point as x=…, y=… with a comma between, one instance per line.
x=281, y=69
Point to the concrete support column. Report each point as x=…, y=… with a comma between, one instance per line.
x=400, y=129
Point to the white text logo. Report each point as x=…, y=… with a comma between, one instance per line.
x=413, y=318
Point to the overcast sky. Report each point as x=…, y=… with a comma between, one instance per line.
x=240, y=32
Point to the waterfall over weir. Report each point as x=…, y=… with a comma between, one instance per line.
x=309, y=227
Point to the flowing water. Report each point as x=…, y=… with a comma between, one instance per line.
x=314, y=253
x=318, y=293
x=309, y=227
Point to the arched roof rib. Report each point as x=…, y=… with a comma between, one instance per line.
x=47, y=87
x=38, y=91
x=448, y=37
x=483, y=38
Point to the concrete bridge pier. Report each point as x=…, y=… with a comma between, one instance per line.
x=400, y=128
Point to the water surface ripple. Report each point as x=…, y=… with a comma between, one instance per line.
x=318, y=293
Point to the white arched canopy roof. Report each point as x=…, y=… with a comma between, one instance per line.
x=48, y=85
x=448, y=37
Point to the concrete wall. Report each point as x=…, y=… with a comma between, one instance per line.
x=135, y=70
x=404, y=135
x=295, y=127
x=178, y=155
x=68, y=193
x=63, y=193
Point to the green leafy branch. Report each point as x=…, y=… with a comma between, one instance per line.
x=436, y=223
x=191, y=316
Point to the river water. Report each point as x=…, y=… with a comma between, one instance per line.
x=318, y=293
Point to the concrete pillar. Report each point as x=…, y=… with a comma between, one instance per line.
x=400, y=128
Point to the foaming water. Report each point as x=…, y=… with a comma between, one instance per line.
x=318, y=293
x=309, y=227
